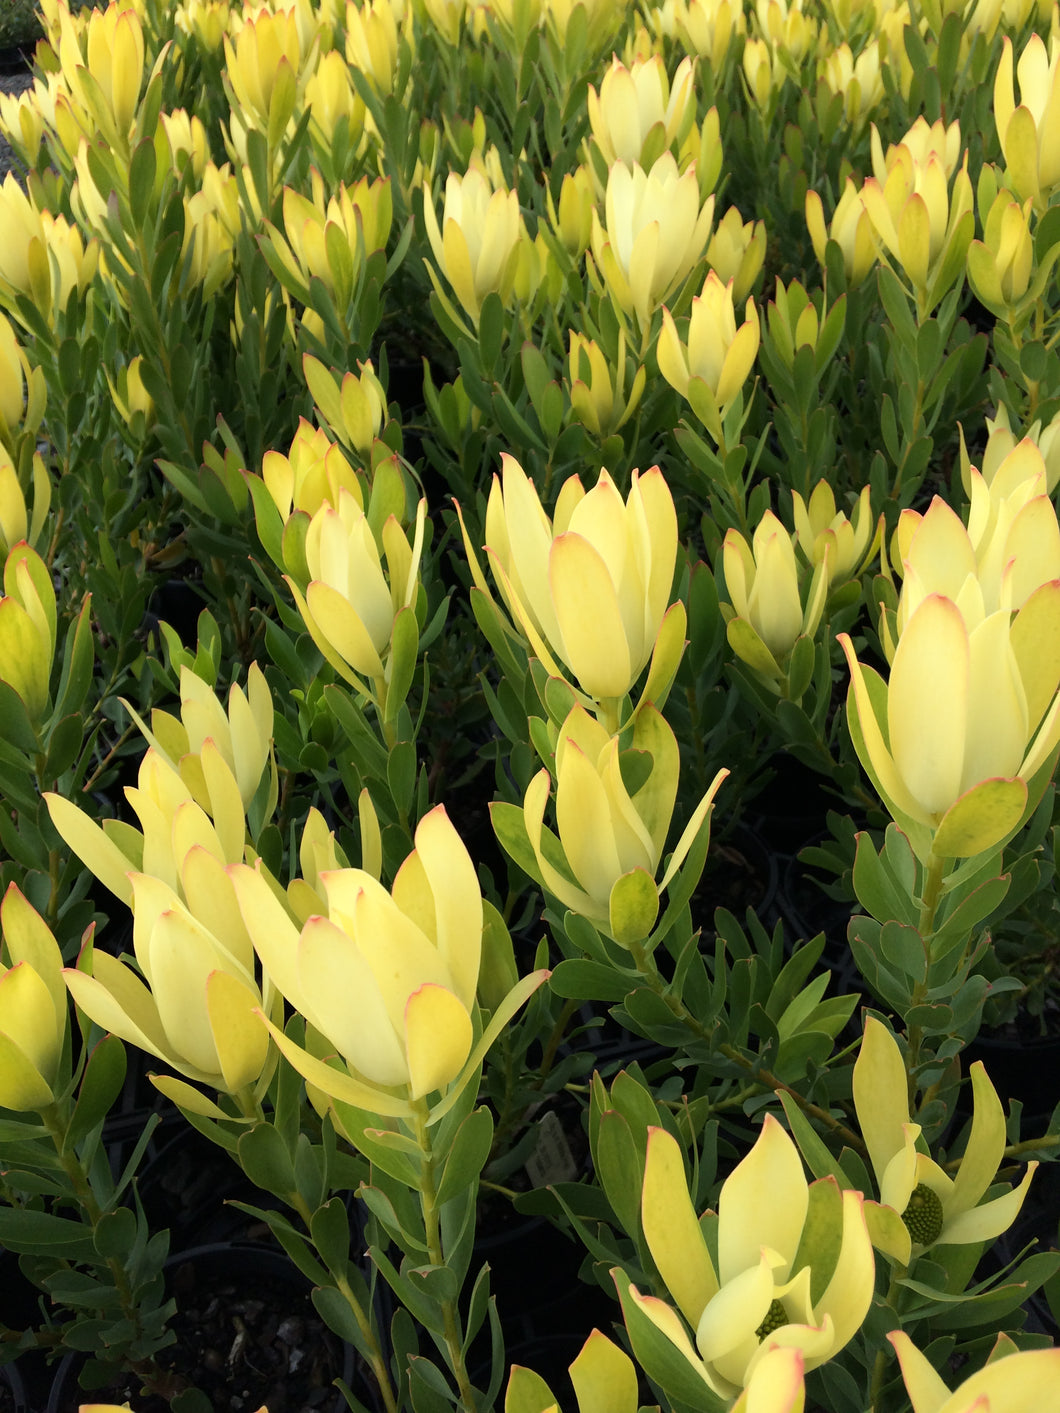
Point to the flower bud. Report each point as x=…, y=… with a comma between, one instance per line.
x=1000, y=265
x=33, y=1007
x=737, y=251
x=600, y=402
x=825, y=534
x=710, y=369
x=851, y=229
x=27, y=629
x=656, y=233
x=610, y=840
x=592, y=587
x=1030, y=134
x=573, y=223
x=635, y=101
x=768, y=607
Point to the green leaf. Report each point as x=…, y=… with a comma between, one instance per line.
x=428, y=1389
x=490, y=332
x=422, y=1309
x=633, y=906
x=141, y=181
x=309, y=1170
x=338, y=1314
x=401, y=774
x=822, y=1235
x=78, y=656
x=65, y=739
x=581, y=980
x=404, y=647
x=22, y=1230
x=620, y=1168
x=329, y=1226
x=102, y=1083
x=268, y=520
x=15, y=727
x=362, y=1130
x=980, y=818
x=264, y=1158
x=468, y=1155
x=903, y=947
x=818, y=1159
x=115, y=1233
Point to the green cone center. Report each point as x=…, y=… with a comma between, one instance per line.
x=776, y=1316
x=923, y=1216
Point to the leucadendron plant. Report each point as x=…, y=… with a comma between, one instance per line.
x=385, y=834
x=79, y=1233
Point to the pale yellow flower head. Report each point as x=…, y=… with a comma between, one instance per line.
x=610, y=841
x=776, y=1234
x=654, y=233
x=851, y=229
x=388, y=978
x=717, y=358
x=786, y=28
x=918, y=220
x=970, y=713
x=265, y=46
x=737, y=251
x=1030, y=133
x=708, y=27
x=937, y=1207
x=28, y=629
x=1012, y=1380
x=102, y=59
x=823, y=532
x=592, y=586
x=313, y=471
x=477, y=245
x=196, y=1006
x=771, y=604
x=633, y=101
x=33, y=1007
x=858, y=80
x=41, y=256
x=372, y=41
x=358, y=586
x=187, y=141
x=598, y=399
x=330, y=97
x=207, y=20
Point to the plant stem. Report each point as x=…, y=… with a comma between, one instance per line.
x=929, y=901
x=880, y=1365
x=764, y=1078
x=375, y=1356
x=436, y=1256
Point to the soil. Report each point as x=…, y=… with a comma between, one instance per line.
x=247, y=1336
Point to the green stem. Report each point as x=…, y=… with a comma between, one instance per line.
x=57, y=1124
x=929, y=902
x=763, y=1078
x=879, y=1367
x=436, y=1256
x=375, y=1356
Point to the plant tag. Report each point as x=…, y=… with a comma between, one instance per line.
x=552, y=1160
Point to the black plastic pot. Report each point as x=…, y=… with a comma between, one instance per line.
x=247, y=1335
x=12, y=1390
x=1023, y=1068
